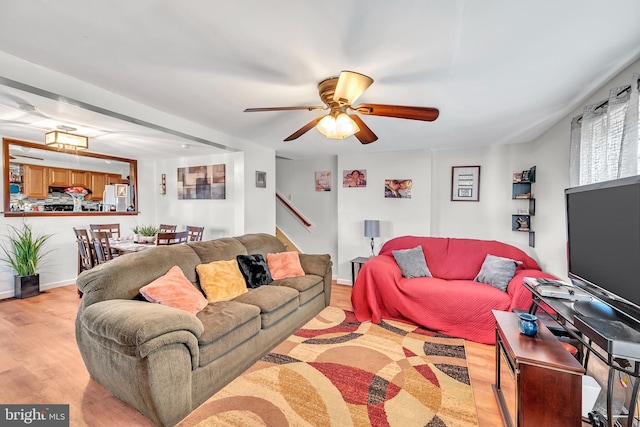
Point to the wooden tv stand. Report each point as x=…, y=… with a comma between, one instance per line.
x=538, y=383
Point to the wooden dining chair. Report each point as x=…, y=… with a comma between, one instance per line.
x=195, y=233
x=86, y=257
x=166, y=228
x=172, y=238
x=112, y=229
x=102, y=247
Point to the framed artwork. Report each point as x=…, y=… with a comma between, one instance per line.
x=323, y=180
x=202, y=182
x=397, y=188
x=261, y=179
x=354, y=178
x=465, y=183
x=122, y=190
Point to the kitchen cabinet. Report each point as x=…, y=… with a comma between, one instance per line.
x=116, y=179
x=79, y=178
x=97, y=181
x=35, y=181
x=59, y=177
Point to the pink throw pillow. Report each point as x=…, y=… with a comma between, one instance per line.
x=175, y=290
x=284, y=264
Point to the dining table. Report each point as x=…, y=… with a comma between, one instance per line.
x=126, y=246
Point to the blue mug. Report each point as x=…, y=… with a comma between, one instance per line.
x=528, y=324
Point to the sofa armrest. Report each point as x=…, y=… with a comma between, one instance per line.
x=320, y=265
x=137, y=328
x=521, y=297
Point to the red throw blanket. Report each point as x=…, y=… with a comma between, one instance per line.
x=450, y=302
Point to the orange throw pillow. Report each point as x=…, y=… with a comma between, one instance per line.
x=221, y=280
x=175, y=290
x=284, y=264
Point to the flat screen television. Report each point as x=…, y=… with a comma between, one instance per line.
x=603, y=242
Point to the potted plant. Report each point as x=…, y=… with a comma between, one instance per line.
x=146, y=233
x=23, y=253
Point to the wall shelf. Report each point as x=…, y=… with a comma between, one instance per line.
x=521, y=189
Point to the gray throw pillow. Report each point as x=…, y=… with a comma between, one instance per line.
x=497, y=271
x=412, y=262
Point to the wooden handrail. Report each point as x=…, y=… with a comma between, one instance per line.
x=293, y=210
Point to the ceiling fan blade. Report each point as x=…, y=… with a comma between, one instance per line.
x=365, y=135
x=402, y=112
x=304, y=129
x=350, y=86
x=254, y=110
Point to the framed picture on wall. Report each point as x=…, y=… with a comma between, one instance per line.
x=323, y=180
x=354, y=178
x=465, y=183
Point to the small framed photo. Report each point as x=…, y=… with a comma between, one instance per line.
x=121, y=190
x=261, y=179
x=323, y=180
x=465, y=183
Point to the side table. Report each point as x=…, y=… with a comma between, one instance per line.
x=359, y=261
x=538, y=383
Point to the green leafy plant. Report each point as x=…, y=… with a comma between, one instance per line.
x=24, y=251
x=146, y=230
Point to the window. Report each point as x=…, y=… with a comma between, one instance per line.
x=604, y=139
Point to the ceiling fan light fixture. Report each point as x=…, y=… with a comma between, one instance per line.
x=339, y=127
x=350, y=86
x=66, y=141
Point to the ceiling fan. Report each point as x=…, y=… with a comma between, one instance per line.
x=339, y=94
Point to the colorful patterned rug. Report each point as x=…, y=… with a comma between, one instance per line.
x=336, y=371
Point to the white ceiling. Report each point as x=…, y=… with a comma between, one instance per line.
x=500, y=71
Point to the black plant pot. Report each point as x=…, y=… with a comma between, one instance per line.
x=26, y=286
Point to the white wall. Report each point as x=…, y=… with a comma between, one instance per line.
x=295, y=181
x=397, y=216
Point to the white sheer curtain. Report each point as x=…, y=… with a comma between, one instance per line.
x=604, y=140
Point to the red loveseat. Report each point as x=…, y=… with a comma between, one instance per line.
x=450, y=302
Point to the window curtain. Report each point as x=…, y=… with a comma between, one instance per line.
x=604, y=139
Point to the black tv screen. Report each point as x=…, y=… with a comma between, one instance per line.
x=603, y=241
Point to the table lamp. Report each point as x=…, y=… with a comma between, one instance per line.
x=371, y=229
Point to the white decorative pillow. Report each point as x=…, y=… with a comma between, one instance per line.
x=412, y=262
x=497, y=271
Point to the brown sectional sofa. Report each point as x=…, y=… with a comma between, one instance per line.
x=164, y=361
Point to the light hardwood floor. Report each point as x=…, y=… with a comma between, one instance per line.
x=40, y=362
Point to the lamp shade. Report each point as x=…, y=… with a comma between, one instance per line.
x=371, y=228
x=65, y=140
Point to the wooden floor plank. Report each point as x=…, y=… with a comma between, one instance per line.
x=40, y=362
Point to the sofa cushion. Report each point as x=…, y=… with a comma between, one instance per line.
x=227, y=324
x=221, y=280
x=174, y=290
x=284, y=264
x=412, y=262
x=223, y=249
x=497, y=271
x=308, y=286
x=275, y=302
x=261, y=243
x=254, y=269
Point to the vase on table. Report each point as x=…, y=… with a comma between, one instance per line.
x=77, y=203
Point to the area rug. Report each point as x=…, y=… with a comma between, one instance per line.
x=336, y=371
